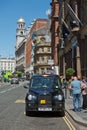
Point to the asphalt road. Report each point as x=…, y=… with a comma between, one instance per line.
x=12, y=113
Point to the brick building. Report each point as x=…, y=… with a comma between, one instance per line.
x=36, y=25
x=72, y=36
x=54, y=31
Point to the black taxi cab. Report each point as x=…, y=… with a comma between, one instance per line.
x=45, y=94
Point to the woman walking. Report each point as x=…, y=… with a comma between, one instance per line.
x=84, y=93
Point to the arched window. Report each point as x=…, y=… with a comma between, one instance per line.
x=21, y=25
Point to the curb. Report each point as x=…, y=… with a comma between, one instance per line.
x=75, y=117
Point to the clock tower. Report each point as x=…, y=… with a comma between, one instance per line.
x=20, y=31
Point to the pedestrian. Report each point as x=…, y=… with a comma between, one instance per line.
x=70, y=90
x=84, y=92
x=75, y=86
x=79, y=77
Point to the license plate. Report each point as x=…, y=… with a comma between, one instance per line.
x=44, y=109
x=42, y=101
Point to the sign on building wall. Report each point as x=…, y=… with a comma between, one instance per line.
x=50, y=62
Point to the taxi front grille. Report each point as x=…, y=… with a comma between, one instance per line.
x=46, y=99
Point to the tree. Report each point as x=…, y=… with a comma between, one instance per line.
x=70, y=72
x=18, y=73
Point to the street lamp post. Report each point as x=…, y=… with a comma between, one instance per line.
x=64, y=69
x=63, y=53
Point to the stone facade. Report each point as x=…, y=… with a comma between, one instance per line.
x=20, y=45
x=42, y=53
x=7, y=64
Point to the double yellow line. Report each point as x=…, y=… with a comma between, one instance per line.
x=69, y=124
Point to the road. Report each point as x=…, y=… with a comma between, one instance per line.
x=12, y=112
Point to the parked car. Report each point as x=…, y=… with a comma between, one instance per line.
x=45, y=95
x=14, y=81
x=21, y=79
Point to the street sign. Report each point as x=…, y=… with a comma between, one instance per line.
x=50, y=62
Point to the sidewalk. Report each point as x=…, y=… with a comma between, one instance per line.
x=79, y=117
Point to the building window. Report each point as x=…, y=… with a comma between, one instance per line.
x=42, y=60
x=42, y=70
x=48, y=49
x=21, y=25
x=42, y=49
x=48, y=58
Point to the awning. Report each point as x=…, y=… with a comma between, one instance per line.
x=74, y=15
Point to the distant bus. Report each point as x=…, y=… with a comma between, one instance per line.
x=7, y=76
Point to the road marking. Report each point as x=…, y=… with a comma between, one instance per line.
x=20, y=101
x=69, y=124
x=9, y=89
x=2, y=91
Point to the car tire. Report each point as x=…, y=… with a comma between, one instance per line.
x=27, y=113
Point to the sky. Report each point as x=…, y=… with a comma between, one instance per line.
x=10, y=12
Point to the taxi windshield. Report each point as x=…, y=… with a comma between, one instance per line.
x=44, y=81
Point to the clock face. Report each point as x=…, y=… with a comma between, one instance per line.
x=21, y=33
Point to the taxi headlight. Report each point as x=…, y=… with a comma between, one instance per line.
x=59, y=97
x=31, y=97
